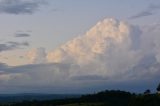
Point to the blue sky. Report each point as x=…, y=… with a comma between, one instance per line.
x=53, y=33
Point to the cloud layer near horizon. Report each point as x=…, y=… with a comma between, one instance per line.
x=111, y=51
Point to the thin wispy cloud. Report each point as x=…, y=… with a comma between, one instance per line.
x=20, y=6
x=22, y=35
x=12, y=45
x=149, y=11
x=18, y=44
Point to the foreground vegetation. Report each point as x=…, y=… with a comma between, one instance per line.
x=105, y=98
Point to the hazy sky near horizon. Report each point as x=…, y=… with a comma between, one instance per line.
x=42, y=42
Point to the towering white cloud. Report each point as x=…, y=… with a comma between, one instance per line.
x=96, y=41
x=107, y=48
x=111, y=51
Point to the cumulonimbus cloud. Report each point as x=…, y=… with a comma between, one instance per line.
x=111, y=51
x=109, y=47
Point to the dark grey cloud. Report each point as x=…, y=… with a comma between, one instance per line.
x=20, y=6
x=12, y=45
x=4, y=47
x=149, y=11
x=22, y=35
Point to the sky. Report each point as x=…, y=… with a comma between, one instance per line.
x=79, y=46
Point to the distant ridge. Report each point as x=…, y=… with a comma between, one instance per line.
x=34, y=96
